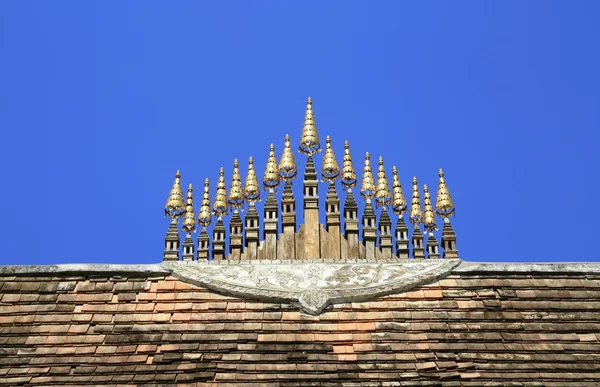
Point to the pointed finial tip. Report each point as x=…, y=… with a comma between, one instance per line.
x=178, y=174
x=251, y=160
x=190, y=187
x=272, y=147
x=346, y=145
x=415, y=180
x=441, y=173
x=206, y=182
x=287, y=137
x=222, y=171
x=425, y=188
x=367, y=155
x=380, y=160
x=328, y=139
x=235, y=163
x=394, y=169
x=309, y=100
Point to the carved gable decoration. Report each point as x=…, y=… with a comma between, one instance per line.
x=311, y=285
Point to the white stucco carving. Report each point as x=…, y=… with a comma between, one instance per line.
x=312, y=285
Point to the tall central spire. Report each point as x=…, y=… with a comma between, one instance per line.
x=309, y=141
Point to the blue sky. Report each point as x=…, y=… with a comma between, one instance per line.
x=101, y=102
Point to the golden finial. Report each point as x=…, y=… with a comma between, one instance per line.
x=382, y=196
x=348, y=171
x=444, y=205
x=287, y=164
x=330, y=170
x=220, y=204
x=251, y=190
x=309, y=142
x=367, y=188
x=189, y=223
x=204, y=216
x=271, y=178
x=399, y=202
x=174, y=207
x=236, y=196
x=429, y=218
x=416, y=215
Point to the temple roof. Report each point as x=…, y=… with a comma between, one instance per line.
x=484, y=324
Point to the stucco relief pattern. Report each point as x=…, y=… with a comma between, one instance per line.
x=311, y=285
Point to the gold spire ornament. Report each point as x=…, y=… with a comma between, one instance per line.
x=398, y=200
x=204, y=216
x=382, y=196
x=189, y=223
x=287, y=164
x=429, y=219
x=330, y=170
x=220, y=204
x=367, y=188
x=251, y=190
x=444, y=206
x=416, y=215
x=174, y=207
x=236, y=196
x=309, y=141
x=271, y=178
x=348, y=171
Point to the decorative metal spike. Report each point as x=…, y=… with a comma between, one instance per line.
x=287, y=164
x=309, y=141
x=251, y=190
x=236, y=196
x=174, y=208
x=204, y=216
x=330, y=170
x=189, y=223
x=348, y=171
x=444, y=206
x=429, y=218
x=271, y=178
x=382, y=196
x=399, y=202
x=416, y=215
x=367, y=188
x=220, y=207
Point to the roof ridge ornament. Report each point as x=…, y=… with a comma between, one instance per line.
x=204, y=215
x=309, y=141
x=174, y=208
x=399, y=204
x=416, y=215
x=189, y=223
x=271, y=177
x=444, y=205
x=348, y=172
x=236, y=197
x=331, y=169
x=287, y=164
x=429, y=218
x=367, y=188
x=251, y=190
x=220, y=205
x=382, y=196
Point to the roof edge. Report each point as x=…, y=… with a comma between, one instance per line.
x=512, y=267
x=159, y=269
x=84, y=269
